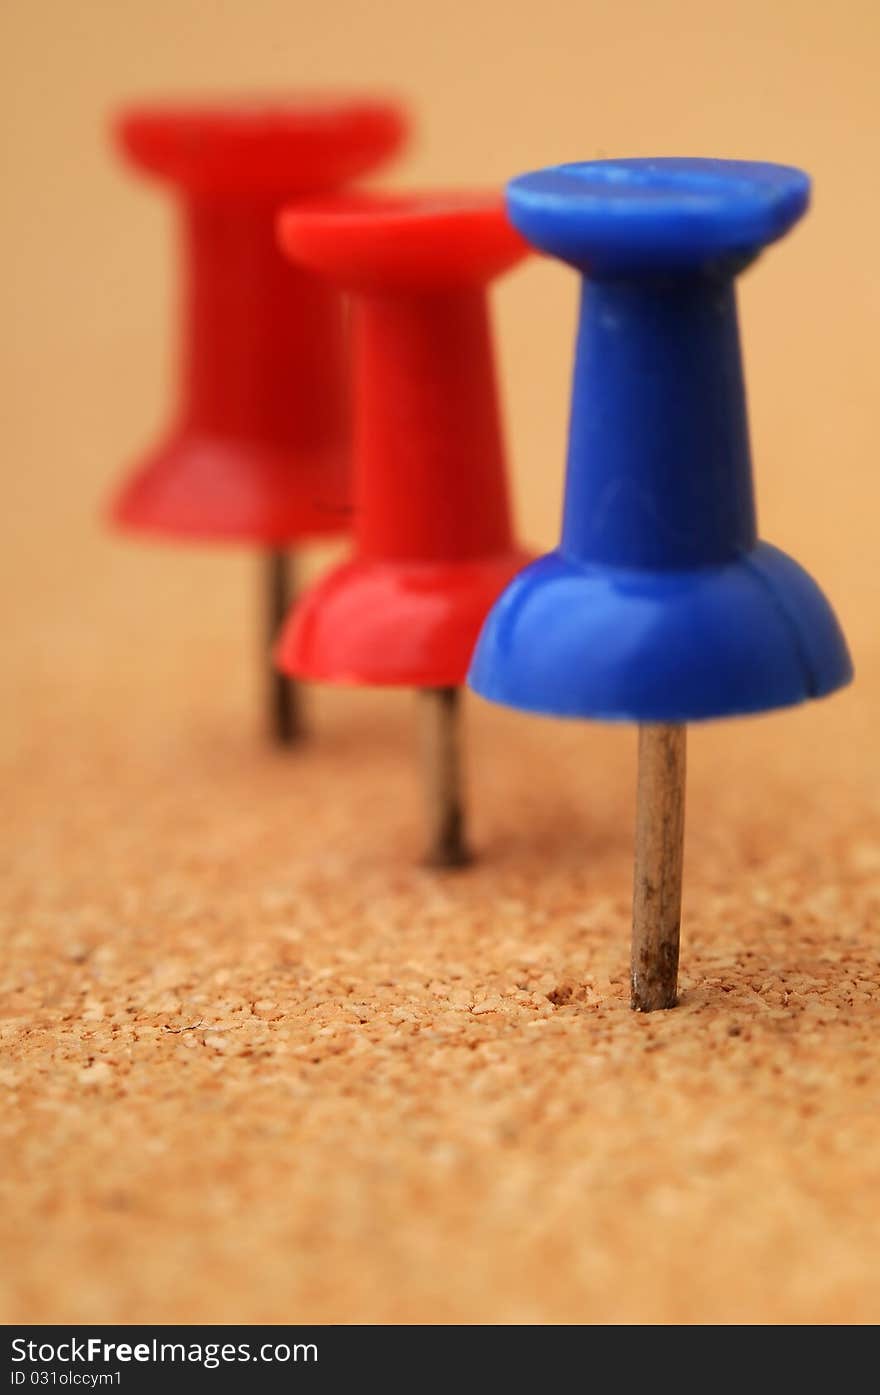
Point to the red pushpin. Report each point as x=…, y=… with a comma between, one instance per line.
x=257, y=452
x=433, y=544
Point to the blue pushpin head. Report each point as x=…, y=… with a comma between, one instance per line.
x=660, y=604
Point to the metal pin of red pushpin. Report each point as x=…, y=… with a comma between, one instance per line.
x=433, y=544
x=258, y=449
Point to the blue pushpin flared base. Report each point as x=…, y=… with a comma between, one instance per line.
x=630, y=645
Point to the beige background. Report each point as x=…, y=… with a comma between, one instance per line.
x=546, y=1157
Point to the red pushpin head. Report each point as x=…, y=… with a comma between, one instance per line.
x=258, y=449
x=400, y=242
x=289, y=146
x=432, y=530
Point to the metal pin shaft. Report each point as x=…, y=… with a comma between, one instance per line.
x=441, y=749
x=658, y=864
x=284, y=708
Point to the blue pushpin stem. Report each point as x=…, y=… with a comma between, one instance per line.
x=669, y=356
x=660, y=606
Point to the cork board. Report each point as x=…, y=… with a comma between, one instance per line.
x=257, y=1065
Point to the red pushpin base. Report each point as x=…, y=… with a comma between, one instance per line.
x=394, y=623
x=212, y=490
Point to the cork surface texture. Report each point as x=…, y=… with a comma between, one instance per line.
x=257, y=1065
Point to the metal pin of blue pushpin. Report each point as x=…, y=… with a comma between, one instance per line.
x=660, y=606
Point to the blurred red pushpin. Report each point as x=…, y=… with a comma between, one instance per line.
x=257, y=452
x=432, y=528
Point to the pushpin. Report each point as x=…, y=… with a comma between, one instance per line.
x=257, y=452
x=433, y=545
x=660, y=606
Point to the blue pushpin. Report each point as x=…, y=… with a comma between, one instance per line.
x=660, y=606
